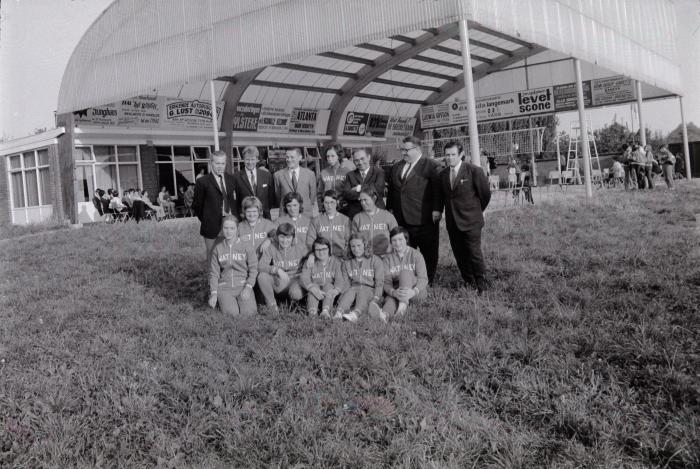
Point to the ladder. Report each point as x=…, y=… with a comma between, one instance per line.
x=572, y=155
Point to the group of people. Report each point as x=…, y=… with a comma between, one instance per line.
x=640, y=164
x=360, y=255
x=134, y=204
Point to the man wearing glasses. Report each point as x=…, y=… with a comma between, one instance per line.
x=413, y=184
x=365, y=175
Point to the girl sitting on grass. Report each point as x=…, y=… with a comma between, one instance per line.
x=280, y=268
x=253, y=230
x=374, y=222
x=364, y=278
x=292, y=206
x=232, y=272
x=331, y=225
x=322, y=278
x=405, y=275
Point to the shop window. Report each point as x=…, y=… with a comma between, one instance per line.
x=82, y=153
x=114, y=167
x=104, y=153
x=30, y=183
x=179, y=166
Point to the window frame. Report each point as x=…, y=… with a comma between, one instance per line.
x=93, y=163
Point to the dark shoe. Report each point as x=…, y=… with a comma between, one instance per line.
x=482, y=286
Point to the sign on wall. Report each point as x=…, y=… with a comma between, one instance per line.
x=355, y=123
x=362, y=124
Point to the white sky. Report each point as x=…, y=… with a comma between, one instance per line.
x=37, y=38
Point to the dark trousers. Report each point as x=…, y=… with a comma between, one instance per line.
x=466, y=246
x=426, y=238
x=138, y=210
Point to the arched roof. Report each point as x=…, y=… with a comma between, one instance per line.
x=377, y=56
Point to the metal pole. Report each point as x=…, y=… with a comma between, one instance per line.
x=214, y=116
x=469, y=92
x=686, y=150
x=584, y=131
x=642, y=130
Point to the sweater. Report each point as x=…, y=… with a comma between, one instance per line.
x=376, y=229
x=319, y=274
x=337, y=231
x=412, y=261
x=365, y=271
x=232, y=265
x=290, y=259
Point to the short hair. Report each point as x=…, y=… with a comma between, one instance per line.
x=338, y=148
x=251, y=150
x=453, y=143
x=362, y=238
x=370, y=191
x=397, y=231
x=413, y=139
x=251, y=202
x=218, y=154
x=229, y=218
x=292, y=196
x=297, y=150
x=321, y=240
x=357, y=150
x=331, y=193
x=100, y=192
x=286, y=229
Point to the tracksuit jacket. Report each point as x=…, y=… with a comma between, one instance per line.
x=412, y=261
x=254, y=236
x=337, y=231
x=376, y=228
x=301, y=227
x=232, y=266
x=365, y=271
x=320, y=274
x=290, y=259
x=331, y=179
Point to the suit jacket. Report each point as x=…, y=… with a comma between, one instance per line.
x=208, y=203
x=375, y=178
x=464, y=205
x=412, y=200
x=306, y=187
x=264, y=190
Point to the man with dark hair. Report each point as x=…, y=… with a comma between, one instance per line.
x=365, y=175
x=412, y=185
x=255, y=182
x=213, y=199
x=464, y=194
x=296, y=179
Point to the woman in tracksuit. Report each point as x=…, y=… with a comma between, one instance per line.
x=254, y=230
x=280, y=268
x=322, y=278
x=232, y=273
x=405, y=275
x=364, y=278
x=292, y=208
x=333, y=175
x=331, y=225
x=374, y=222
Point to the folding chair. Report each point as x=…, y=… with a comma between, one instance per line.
x=551, y=177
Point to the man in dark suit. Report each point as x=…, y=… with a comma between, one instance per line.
x=364, y=175
x=464, y=193
x=213, y=199
x=254, y=181
x=296, y=179
x=412, y=185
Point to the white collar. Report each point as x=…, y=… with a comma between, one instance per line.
x=459, y=165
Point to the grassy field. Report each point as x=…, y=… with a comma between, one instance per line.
x=585, y=353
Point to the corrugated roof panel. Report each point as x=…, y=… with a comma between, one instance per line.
x=360, y=52
x=412, y=63
x=399, y=75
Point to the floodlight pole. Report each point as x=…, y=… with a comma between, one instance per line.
x=684, y=130
x=469, y=92
x=584, y=131
x=214, y=116
x=642, y=130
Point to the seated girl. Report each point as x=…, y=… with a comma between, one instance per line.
x=164, y=200
x=331, y=225
x=254, y=230
x=292, y=206
x=232, y=273
x=280, y=268
x=364, y=279
x=374, y=222
x=322, y=278
x=405, y=275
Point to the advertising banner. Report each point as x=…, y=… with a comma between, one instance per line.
x=303, y=121
x=400, y=126
x=189, y=114
x=246, y=116
x=376, y=125
x=612, y=90
x=355, y=123
x=273, y=120
x=565, y=96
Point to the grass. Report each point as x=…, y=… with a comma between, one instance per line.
x=584, y=354
x=8, y=231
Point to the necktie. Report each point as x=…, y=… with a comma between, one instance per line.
x=253, y=184
x=227, y=207
x=453, y=176
x=294, y=180
x=406, y=171
x=364, y=174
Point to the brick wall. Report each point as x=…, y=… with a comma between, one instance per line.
x=5, y=214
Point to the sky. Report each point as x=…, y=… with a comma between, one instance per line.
x=37, y=38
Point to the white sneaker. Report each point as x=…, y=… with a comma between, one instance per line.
x=352, y=316
x=374, y=310
x=401, y=309
x=338, y=315
x=325, y=314
x=383, y=316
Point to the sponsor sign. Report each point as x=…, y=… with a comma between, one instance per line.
x=273, y=120
x=612, y=90
x=400, y=126
x=303, y=121
x=355, y=123
x=189, y=114
x=246, y=117
x=376, y=125
x=565, y=96
x=436, y=115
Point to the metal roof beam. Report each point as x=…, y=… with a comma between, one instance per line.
x=347, y=58
x=383, y=64
x=424, y=73
x=449, y=50
x=491, y=47
x=498, y=34
x=389, y=98
x=406, y=39
x=376, y=48
x=319, y=70
x=406, y=84
x=442, y=63
x=232, y=96
x=293, y=86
